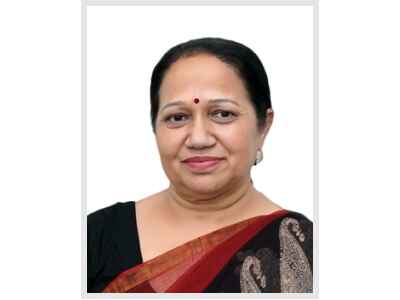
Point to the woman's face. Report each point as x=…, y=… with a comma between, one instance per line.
x=221, y=125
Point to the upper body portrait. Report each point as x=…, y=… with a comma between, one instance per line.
x=210, y=230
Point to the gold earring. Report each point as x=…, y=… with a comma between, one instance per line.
x=259, y=157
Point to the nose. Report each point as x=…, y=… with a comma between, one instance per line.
x=200, y=135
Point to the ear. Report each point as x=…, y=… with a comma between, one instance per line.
x=265, y=130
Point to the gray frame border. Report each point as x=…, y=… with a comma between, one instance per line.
x=199, y=2
x=84, y=293
x=84, y=5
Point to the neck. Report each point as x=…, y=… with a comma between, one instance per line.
x=216, y=209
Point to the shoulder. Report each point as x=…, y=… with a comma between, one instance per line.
x=296, y=253
x=102, y=216
x=108, y=229
x=103, y=223
x=301, y=219
x=296, y=227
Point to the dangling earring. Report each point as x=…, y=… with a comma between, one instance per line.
x=259, y=157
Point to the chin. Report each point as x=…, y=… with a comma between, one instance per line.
x=205, y=185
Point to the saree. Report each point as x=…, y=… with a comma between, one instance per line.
x=268, y=253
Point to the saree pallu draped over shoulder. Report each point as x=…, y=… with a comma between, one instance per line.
x=269, y=253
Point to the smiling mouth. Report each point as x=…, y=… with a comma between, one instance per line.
x=200, y=165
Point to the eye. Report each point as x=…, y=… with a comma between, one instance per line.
x=176, y=119
x=223, y=116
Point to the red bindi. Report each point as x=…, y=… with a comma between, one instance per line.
x=196, y=100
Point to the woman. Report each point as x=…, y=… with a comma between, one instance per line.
x=210, y=231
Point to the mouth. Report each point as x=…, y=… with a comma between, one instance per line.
x=202, y=164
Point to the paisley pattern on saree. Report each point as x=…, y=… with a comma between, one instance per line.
x=294, y=267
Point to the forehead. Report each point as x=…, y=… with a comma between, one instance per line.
x=203, y=76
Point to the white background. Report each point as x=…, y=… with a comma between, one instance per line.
x=123, y=160
x=40, y=149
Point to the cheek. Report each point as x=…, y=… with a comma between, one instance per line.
x=168, y=144
x=239, y=141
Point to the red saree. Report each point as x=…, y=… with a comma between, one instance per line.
x=198, y=264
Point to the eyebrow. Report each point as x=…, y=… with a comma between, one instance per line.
x=212, y=101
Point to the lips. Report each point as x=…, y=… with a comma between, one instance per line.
x=202, y=163
x=201, y=159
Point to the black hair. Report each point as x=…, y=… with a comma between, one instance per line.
x=244, y=61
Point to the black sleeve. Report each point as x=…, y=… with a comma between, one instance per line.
x=95, y=239
x=112, y=244
x=307, y=229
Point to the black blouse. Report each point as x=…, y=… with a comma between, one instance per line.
x=112, y=244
